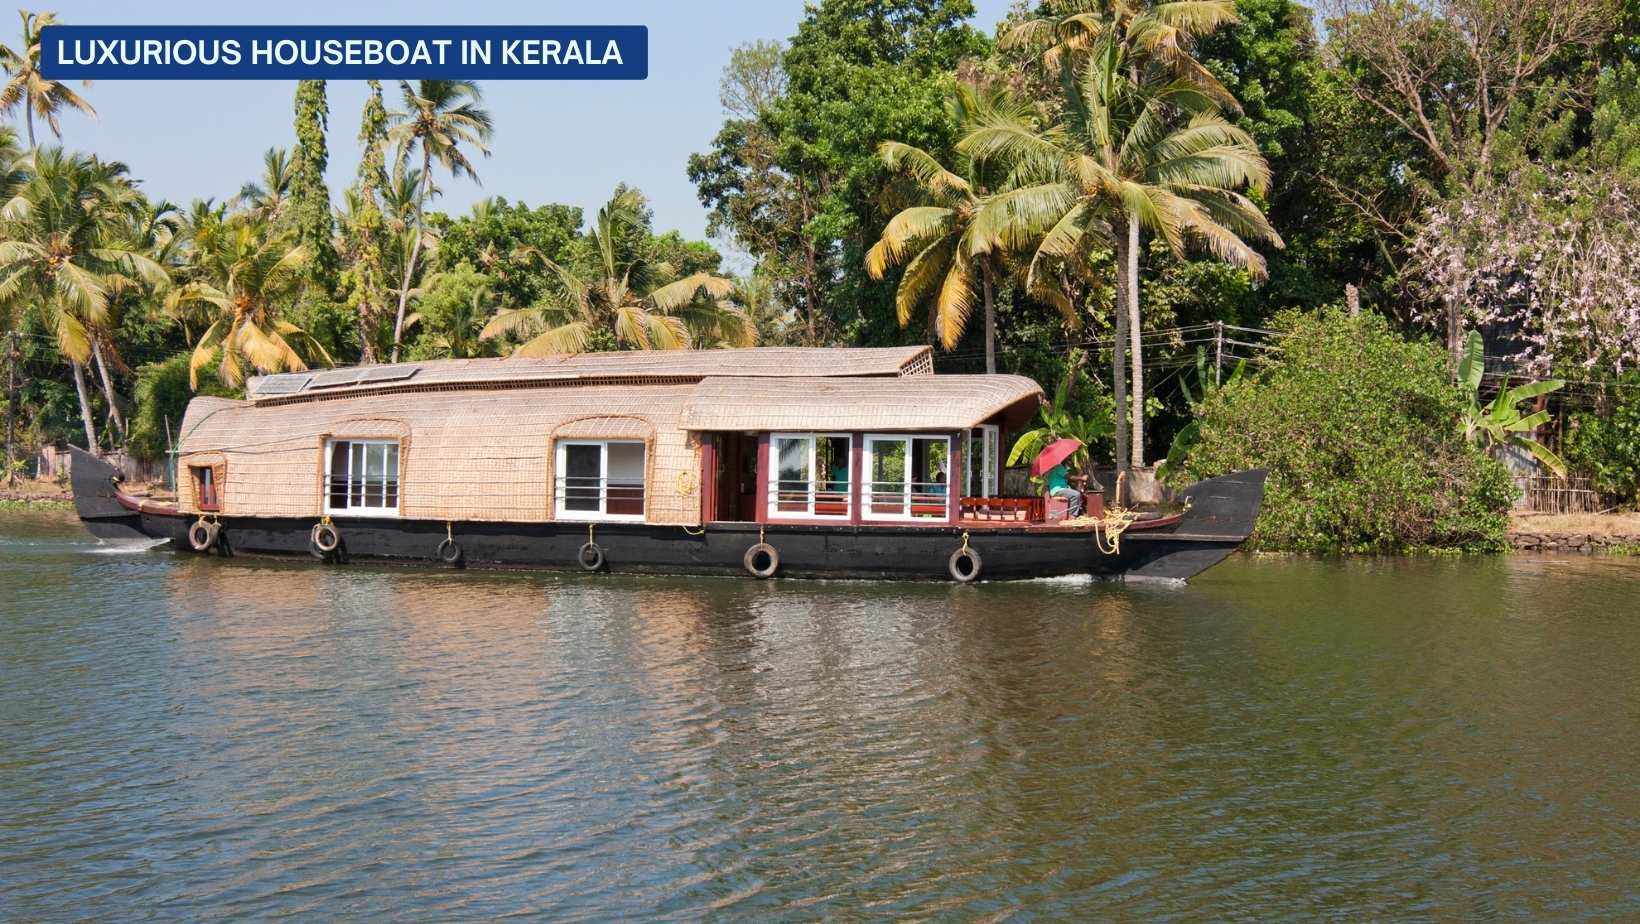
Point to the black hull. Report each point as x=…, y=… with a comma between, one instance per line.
x=892, y=552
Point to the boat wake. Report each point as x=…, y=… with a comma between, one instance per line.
x=125, y=546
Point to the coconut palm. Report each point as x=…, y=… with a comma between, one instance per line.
x=61, y=248
x=439, y=118
x=246, y=274
x=641, y=303
x=935, y=240
x=26, y=87
x=1138, y=149
x=267, y=198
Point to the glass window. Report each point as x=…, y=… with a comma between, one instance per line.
x=600, y=480
x=811, y=475
x=908, y=477
x=979, y=462
x=362, y=477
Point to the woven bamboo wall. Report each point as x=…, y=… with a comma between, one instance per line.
x=465, y=455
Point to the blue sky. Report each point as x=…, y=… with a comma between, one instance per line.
x=554, y=142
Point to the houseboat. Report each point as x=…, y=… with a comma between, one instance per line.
x=764, y=461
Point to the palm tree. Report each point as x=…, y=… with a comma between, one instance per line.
x=60, y=247
x=265, y=199
x=641, y=303
x=26, y=87
x=246, y=273
x=439, y=117
x=1139, y=148
x=935, y=238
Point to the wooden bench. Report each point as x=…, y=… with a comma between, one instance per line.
x=1007, y=509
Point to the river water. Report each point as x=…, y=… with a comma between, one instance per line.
x=186, y=738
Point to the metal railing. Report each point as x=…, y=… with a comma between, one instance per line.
x=346, y=493
x=594, y=494
x=805, y=497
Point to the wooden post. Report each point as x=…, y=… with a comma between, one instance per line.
x=856, y=470
x=708, y=477
x=762, y=498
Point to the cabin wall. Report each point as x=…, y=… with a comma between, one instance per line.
x=465, y=455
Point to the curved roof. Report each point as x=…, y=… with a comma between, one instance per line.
x=670, y=364
x=920, y=402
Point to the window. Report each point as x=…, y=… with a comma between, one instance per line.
x=810, y=475
x=600, y=480
x=205, y=498
x=362, y=477
x=907, y=477
x=979, y=462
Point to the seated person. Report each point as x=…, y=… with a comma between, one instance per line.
x=1059, y=486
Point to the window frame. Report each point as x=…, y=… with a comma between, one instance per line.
x=771, y=493
x=601, y=515
x=910, y=494
x=329, y=450
x=200, y=485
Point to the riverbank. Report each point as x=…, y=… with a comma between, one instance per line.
x=1576, y=532
x=26, y=492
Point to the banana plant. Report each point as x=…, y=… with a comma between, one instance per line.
x=1502, y=423
x=1055, y=421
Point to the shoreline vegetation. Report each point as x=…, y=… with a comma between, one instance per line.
x=1372, y=247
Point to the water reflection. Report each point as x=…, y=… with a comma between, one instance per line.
x=199, y=738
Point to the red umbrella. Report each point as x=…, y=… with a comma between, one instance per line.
x=1055, y=453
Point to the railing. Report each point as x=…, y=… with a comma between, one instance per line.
x=907, y=499
x=344, y=493
x=801, y=497
x=594, y=495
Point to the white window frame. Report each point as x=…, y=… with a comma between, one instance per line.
x=990, y=446
x=367, y=442
x=601, y=514
x=771, y=496
x=909, y=495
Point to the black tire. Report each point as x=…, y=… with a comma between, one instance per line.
x=202, y=535
x=325, y=542
x=450, y=553
x=591, y=557
x=767, y=555
x=965, y=565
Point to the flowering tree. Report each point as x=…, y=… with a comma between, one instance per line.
x=1552, y=256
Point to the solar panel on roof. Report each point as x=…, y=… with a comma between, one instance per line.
x=336, y=378
x=282, y=384
x=389, y=373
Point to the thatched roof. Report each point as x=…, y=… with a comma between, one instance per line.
x=675, y=366
x=922, y=402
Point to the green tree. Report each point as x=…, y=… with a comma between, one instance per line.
x=310, y=198
x=489, y=236
x=439, y=119
x=26, y=87
x=267, y=199
x=626, y=296
x=247, y=274
x=61, y=250
x=365, y=230
x=1357, y=428
x=451, y=309
x=936, y=237
x=1141, y=147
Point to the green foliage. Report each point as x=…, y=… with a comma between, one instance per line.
x=1502, y=423
x=310, y=198
x=451, y=311
x=1616, y=122
x=1208, y=384
x=1607, y=445
x=1357, y=427
x=1059, y=419
x=490, y=237
x=163, y=393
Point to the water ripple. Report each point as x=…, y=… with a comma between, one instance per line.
x=189, y=738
